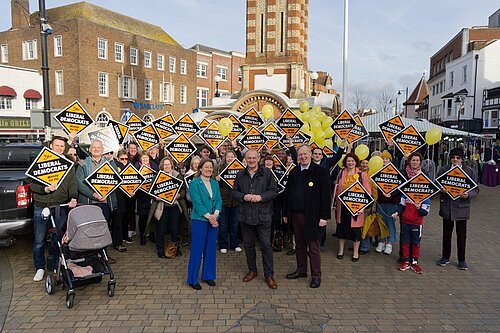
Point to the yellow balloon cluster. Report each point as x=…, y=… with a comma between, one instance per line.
x=225, y=126
x=362, y=152
x=317, y=125
x=433, y=136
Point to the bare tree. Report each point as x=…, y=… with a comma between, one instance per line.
x=384, y=101
x=360, y=99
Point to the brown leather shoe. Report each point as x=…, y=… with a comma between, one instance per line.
x=250, y=276
x=271, y=283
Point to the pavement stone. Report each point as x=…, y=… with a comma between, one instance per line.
x=368, y=296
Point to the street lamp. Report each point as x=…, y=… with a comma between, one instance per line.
x=328, y=88
x=314, y=77
x=406, y=99
x=217, y=79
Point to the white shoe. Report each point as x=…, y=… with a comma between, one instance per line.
x=388, y=248
x=237, y=249
x=131, y=234
x=380, y=247
x=39, y=275
x=223, y=251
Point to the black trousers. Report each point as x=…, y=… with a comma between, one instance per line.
x=263, y=233
x=117, y=228
x=461, y=238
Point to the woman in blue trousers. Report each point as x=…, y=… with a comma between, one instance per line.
x=207, y=204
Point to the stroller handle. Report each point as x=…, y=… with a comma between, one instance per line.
x=46, y=210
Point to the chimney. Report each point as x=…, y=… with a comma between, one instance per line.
x=20, y=11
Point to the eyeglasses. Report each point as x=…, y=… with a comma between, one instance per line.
x=123, y=158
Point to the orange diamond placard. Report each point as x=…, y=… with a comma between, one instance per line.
x=456, y=182
x=355, y=198
x=388, y=179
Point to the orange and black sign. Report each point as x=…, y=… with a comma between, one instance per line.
x=186, y=125
x=253, y=139
x=163, y=126
x=147, y=137
x=343, y=124
x=313, y=146
x=289, y=123
x=273, y=135
x=358, y=132
x=181, y=148
x=120, y=130
x=329, y=153
x=408, y=140
x=228, y=175
x=355, y=198
x=250, y=118
x=419, y=188
x=388, y=179
x=284, y=180
x=204, y=123
x=74, y=118
x=456, y=182
x=238, y=128
x=131, y=180
x=297, y=140
x=165, y=187
x=391, y=127
x=108, y=138
x=104, y=179
x=211, y=135
x=149, y=175
x=49, y=168
x=134, y=123
x=278, y=167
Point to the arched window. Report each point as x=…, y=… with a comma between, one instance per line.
x=102, y=119
x=148, y=118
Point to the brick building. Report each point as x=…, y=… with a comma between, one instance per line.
x=108, y=61
x=211, y=62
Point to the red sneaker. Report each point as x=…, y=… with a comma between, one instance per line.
x=405, y=265
x=416, y=268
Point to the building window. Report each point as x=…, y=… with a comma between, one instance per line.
x=147, y=90
x=183, y=96
x=183, y=66
x=171, y=64
x=30, y=50
x=441, y=86
x=464, y=74
x=240, y=75
x=133, y=56
x=31, y=104
x=222, y=72
x=451, y=79
x=448, y=108
x=148, y=118
x=59, y=83
x=103, y=84
x=147, y=59
x=201, y=70
x=58, y=46
x=490, y=119
x=4, y=53
x=167, y=92
x=127, y=87
x=201, y=97
x=118, y=52
x=5, y=103
x=102, y=119
x=161, y=62
x=102, y=48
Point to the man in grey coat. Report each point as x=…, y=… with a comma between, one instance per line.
x=455, y=212
x=254, y=189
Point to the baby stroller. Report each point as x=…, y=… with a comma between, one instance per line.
x=79, y=257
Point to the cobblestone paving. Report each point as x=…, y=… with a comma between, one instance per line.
x=367, y=296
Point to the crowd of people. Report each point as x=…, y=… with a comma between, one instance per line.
x=208, y=215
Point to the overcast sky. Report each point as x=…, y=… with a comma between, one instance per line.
x=390, y=41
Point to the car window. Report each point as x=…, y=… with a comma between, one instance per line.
x=18, y=157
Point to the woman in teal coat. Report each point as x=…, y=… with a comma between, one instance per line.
x=207, y=204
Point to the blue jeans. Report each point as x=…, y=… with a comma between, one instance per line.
x=365, y=244
x=228, y=223
x=386, y=210
x=39, y=237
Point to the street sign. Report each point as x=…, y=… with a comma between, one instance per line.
x=108, y=138
x=253, y=139
x=228, y=175
x=163, y=126
x=211, y=135
x=238, y=128
x=343, y=124
x=419, y=188
x=104, y=179
x=289, y=123
x=49, y=167
x=147, y=137
x=273, y=135
x=165, y=187
x=388, y=179
x=250, y=118
x=120, y=130
x=149, y=175
x=358, y=132
x=74, y=118
x=391, y=127
x=456, y=182
x=186, y=125
x=131, y=180
x=408, y=140
x=181, y=148
x=355, y=198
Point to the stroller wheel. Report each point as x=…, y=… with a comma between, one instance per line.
x=70, y=299
x=111, y=289
x=50, y=285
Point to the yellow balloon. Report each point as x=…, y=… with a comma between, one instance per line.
x=304, y=106
x=316, y=109
x=321, y=116
x=375, y=164
x=362, y=152
x=315, y=126
x=306, y=117
x=267, y=111
x=305, y=128
x=338, y=141
x=433, y=136
x=329, y=133
x=319, y=137
x=329, y=143
x=341, y=162
x=327, y=122
x=225, y=126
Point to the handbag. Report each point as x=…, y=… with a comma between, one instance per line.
x=171, y=249
x=159, y=210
